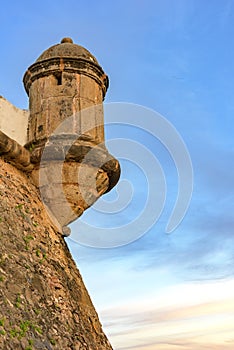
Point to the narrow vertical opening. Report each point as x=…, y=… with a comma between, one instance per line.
x=58, y=77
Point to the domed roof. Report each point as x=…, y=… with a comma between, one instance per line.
x=67, y=49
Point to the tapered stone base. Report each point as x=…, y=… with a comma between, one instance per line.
x=43, y=301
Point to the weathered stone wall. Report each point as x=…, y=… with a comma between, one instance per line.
x=52, y=103
x=43, y=301
x=13, y=121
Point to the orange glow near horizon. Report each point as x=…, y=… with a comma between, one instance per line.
x=196, y=316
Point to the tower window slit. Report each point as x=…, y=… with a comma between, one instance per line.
x=58, y=78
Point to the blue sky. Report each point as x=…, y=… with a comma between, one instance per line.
x=164, y=291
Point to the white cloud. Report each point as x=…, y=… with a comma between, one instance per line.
x=190, y=315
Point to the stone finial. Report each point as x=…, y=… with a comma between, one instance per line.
x=66, y=40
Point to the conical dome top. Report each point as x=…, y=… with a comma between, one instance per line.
x=66, y=57
x=67, y=49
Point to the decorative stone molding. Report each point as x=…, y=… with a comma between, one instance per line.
x=16, y=154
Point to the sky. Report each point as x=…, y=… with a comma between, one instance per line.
x=171, y=60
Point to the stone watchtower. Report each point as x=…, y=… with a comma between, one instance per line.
x=63, y=149
x=65, y=137
x=64, y=80
x=53, y=166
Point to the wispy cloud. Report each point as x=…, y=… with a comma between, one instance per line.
x=191, y=316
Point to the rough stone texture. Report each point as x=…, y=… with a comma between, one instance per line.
x=67, y=50
x=51, y=104
x=43, y=301
x=67, y=199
